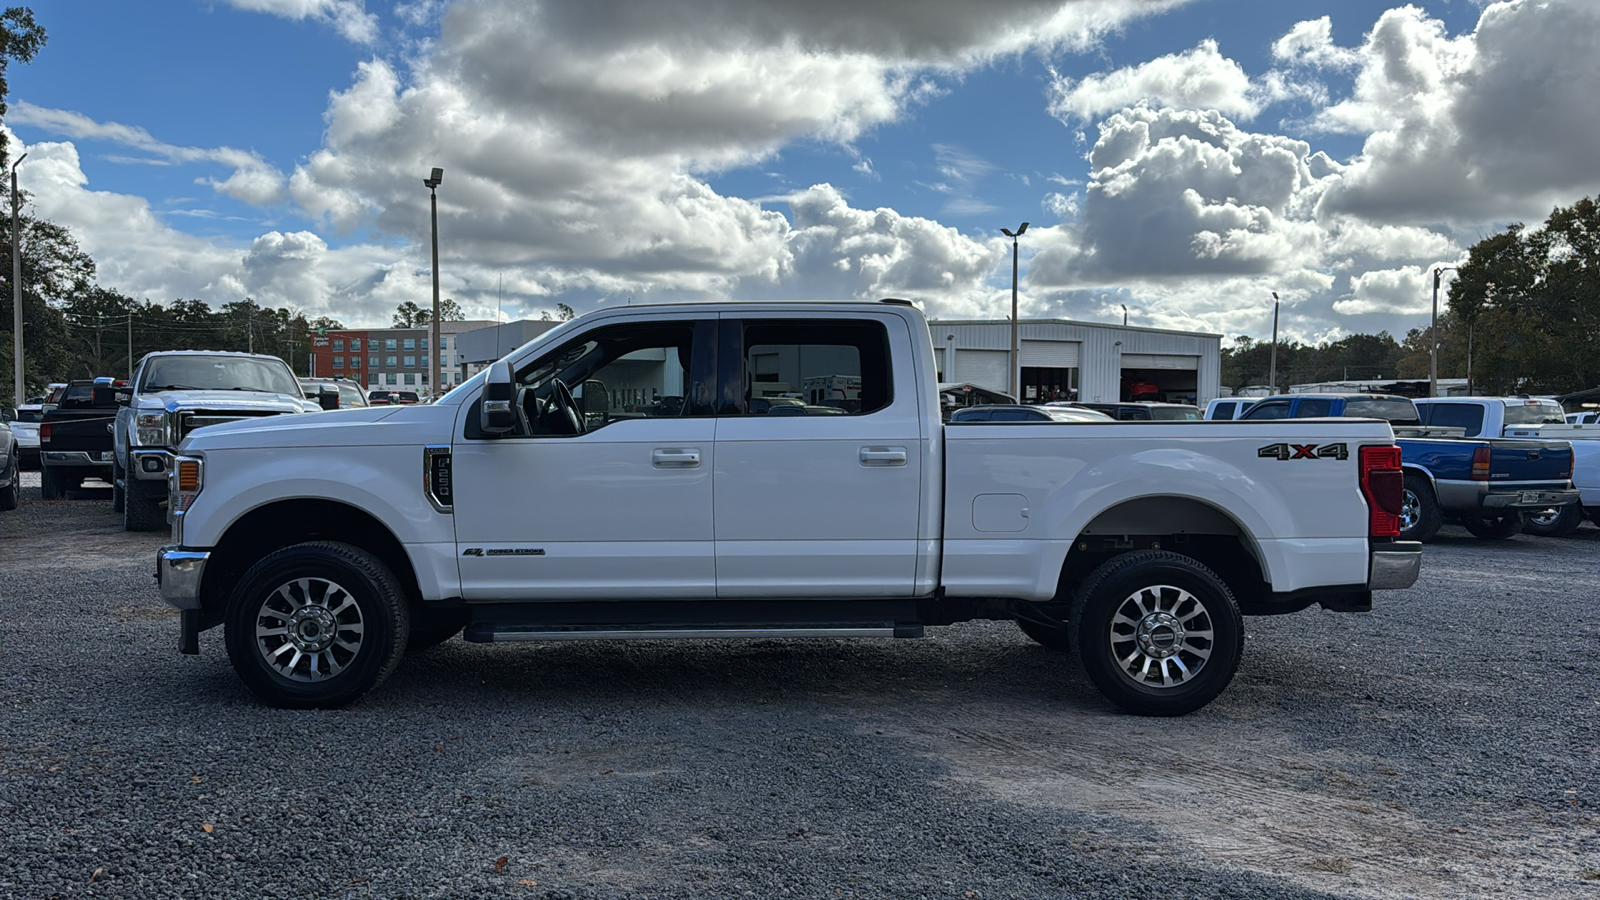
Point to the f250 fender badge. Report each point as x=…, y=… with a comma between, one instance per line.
x=503, y=551
x=1304, y=451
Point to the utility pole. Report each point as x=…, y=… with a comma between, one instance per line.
x=1433, y=333
x=432, y=184
x=1272, y=377
x=16, y=287
x=250, y=327
x=130, y=347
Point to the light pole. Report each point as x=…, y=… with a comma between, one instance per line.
x=1433, y=333
x=1124, y=314
x=432, y=182
x=1272, y=376
x=1016, y=340
x=16, y=288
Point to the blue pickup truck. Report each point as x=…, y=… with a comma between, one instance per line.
x=1488, y=484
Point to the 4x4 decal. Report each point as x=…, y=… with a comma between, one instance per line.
x=1304, y=451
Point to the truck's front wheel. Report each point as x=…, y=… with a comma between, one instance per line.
x=141, y=513
x=1157, y=632
x=316, y=625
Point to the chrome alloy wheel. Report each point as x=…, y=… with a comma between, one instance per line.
x=1410, y=511
x=309, y=629
x=1161, y=636
x=1545, y=518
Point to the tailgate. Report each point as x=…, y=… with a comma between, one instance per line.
x=90, y=432
x=1528, y=462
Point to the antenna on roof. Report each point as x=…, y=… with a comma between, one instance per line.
x=499, y=317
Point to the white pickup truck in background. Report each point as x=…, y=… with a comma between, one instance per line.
x=614, y=479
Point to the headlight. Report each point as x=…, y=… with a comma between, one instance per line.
x=150, y=429
x=183, y=485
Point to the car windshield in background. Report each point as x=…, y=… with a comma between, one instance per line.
x=30, y=415
x=219, y=373
x=1398, y=410
x=1534, y=413
x=1175, y=414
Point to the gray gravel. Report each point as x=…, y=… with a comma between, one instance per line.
x=1444, y=745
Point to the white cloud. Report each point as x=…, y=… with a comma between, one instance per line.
x=349, y=17
x=1310, y=43
x=1201, y=78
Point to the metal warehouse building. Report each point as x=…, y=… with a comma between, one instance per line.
x=1064, y=360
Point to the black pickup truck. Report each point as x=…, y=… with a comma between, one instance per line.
x=75, y=438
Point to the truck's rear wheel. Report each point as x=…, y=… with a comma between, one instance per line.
x=1419, y=511
x=1495, y=529
x=11, y=494
x=1562, y=520
x=316, y=625
x=1157, y=632
x=49, y=485
x=119, y=481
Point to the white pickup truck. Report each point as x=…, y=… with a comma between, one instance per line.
x=611, y=479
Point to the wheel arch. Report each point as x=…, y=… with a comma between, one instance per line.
x=1187, y=526
x=284, y=523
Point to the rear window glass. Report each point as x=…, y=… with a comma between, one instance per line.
x=1456, y=415
x=1534, y=413
x=1398, y=410
x=1313, y=408
x=1174, y=413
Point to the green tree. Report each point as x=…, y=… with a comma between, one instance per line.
x=21, y=39
x=410, y=315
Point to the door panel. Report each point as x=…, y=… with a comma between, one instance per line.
x=820, y=505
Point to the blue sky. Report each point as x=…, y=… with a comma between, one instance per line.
x=1186, y=158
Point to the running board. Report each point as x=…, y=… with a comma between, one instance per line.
x=486, y=632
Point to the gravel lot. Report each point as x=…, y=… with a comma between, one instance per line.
x=1445, y=745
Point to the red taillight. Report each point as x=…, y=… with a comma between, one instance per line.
x=44, y=433
x=1382, y=483
x=1480, y=464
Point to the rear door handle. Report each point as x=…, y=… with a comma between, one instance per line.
x=676, y=458
x=883, y=456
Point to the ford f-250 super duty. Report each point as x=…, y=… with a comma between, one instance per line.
x=173, y=393
x=650, y=500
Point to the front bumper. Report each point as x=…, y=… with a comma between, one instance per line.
x=1394, y=566
x=179, y=572
x=151, y=465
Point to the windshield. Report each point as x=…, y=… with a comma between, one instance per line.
x=1398, y=410
x=1534, y=412
x=29, y=415
x=219, y=373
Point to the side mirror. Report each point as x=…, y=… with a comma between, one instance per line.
x=496, y=415
x=124, y=397
x=7, y=414
x=328, y=397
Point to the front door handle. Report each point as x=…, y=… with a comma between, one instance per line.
x=883, y=456
x=676, y=458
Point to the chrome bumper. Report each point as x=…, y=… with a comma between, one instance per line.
x=179, y=573
x=151, y=465
x=1536, y=499
x=1395, y=566
x=74, y=458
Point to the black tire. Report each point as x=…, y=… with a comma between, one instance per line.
x=1593, y=512
x=11, y=494
x=118, y=487
x=48, y=485
x=432, y=627
x=1174, y=597
x=140, y=513
x=1496, y=529
x=1561, y=521
x=347, y=586
x=1052, y=637
x=1419, y=510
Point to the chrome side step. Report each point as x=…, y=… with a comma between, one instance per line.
x=648, y=634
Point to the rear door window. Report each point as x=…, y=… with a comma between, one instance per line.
x=819, y=367
x=1313, y=408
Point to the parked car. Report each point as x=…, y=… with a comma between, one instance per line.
x=1007, y=413
x=404, y=398
x=25, y=427
x=75, y=437
x=10, y=468
x=378, y=398
x=1141, y=411
x=508, y=513
x=1526, y=417
x=1486, y=483
x=1224, y=408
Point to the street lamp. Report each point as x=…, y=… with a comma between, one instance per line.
x=16, y=288
x=1433, y=334
x=1016, y=341
x=432, y=183
x=1124, y=314
x=1272, y=376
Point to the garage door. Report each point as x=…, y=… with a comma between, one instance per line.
x=985, y=368
x=1050, y=354
x=1159, y=361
